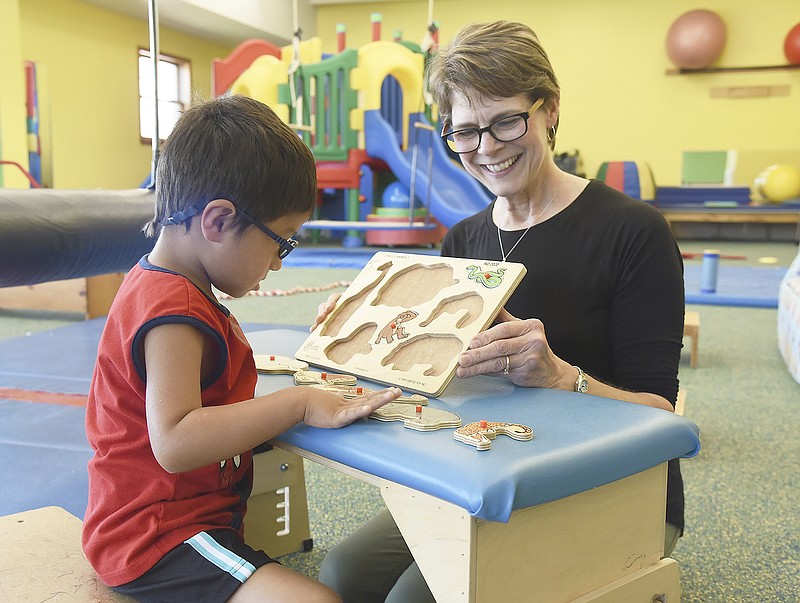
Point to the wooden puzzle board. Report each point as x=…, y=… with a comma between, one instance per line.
x=406, y=318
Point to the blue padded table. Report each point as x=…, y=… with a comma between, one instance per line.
x=576, y=514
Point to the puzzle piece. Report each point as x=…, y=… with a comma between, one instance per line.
x=315, y=378
x=269, y=364
x=351, y=391
x=416, y=417
x=481, y=433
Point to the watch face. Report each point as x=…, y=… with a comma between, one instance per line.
x=583, y=386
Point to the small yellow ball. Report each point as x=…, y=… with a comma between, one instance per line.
x=778, y=183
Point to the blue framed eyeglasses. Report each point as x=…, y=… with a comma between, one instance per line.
x=286, y=245
x=505, y=129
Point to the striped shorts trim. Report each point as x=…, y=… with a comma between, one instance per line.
x=206, y=568
x=224, y=559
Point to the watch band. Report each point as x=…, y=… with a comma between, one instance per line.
x=581, y=383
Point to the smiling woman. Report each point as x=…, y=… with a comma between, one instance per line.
x=600, y=310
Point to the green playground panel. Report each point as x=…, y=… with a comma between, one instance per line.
x=329, y=80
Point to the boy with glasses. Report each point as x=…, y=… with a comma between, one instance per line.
x=171, y=415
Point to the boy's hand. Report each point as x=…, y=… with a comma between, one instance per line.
x=329, y=410
x=324, y=309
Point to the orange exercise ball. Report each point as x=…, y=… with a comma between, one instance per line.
x=696, y=39
x=791, y=45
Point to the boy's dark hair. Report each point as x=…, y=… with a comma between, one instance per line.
x=234, y=148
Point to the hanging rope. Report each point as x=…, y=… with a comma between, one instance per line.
x=429, y=45
x=294, y=68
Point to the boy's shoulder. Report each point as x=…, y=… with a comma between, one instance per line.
x=156, y=291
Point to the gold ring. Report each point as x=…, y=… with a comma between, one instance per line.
x=508, y=364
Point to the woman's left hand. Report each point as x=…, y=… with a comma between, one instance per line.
x=516, y=349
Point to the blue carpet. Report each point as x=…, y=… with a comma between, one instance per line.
x=747, y=286
x=340, y=257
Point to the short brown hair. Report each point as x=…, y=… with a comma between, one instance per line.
x=493, y=60
x=234, y=148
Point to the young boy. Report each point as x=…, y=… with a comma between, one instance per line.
x=171, y=415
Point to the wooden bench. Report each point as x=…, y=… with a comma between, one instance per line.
x=780, y=224
x=41, y=560
x=732, y=217
x=41, y=557
x=691, y=329
x=91, y=296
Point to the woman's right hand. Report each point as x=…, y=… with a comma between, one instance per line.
x=324, y=309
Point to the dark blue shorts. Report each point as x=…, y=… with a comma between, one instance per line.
x=207, y=568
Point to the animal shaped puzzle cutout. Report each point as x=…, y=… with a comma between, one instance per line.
x=315, y=378
x=416, y=417
x=406, y=318
x=351, y=391
x=481, y=433
x=270, y=364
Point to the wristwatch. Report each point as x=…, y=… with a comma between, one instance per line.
x=581, y=384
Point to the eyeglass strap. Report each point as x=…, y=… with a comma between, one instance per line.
x=181, y=216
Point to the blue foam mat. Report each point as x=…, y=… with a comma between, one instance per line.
x=43, y=457
x=748, y=286
x=343, y=257
x=60, y=360
x=43, y=447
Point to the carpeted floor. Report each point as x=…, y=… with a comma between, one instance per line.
x=742, y=543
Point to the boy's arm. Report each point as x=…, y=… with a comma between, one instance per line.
x=184, y=435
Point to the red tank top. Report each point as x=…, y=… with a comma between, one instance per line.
x=137, y=511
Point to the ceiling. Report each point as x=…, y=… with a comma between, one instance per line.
x=232, y=21
x=227, y=23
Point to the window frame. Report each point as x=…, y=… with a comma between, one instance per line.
x=183, y=87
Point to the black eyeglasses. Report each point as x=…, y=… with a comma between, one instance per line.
x=505, y=129
x=286, y=245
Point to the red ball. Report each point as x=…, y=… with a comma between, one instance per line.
x=696, y=39
x=791, y=45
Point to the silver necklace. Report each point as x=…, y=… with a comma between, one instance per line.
x=535, y=220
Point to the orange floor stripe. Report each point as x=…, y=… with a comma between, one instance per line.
x=27, y=395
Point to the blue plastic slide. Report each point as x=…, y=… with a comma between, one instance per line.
x=454, y=194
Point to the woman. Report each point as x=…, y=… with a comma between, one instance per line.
x=604, y=287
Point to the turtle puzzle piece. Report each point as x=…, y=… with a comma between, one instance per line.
x=315, y=378
x=269, y=364
x=416, y=417
x=481, y=433
x=351, y=391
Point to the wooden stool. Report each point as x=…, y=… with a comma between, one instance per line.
x=691, y=328
x=41, y=560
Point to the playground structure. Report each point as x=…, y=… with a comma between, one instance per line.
x=364, y=116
